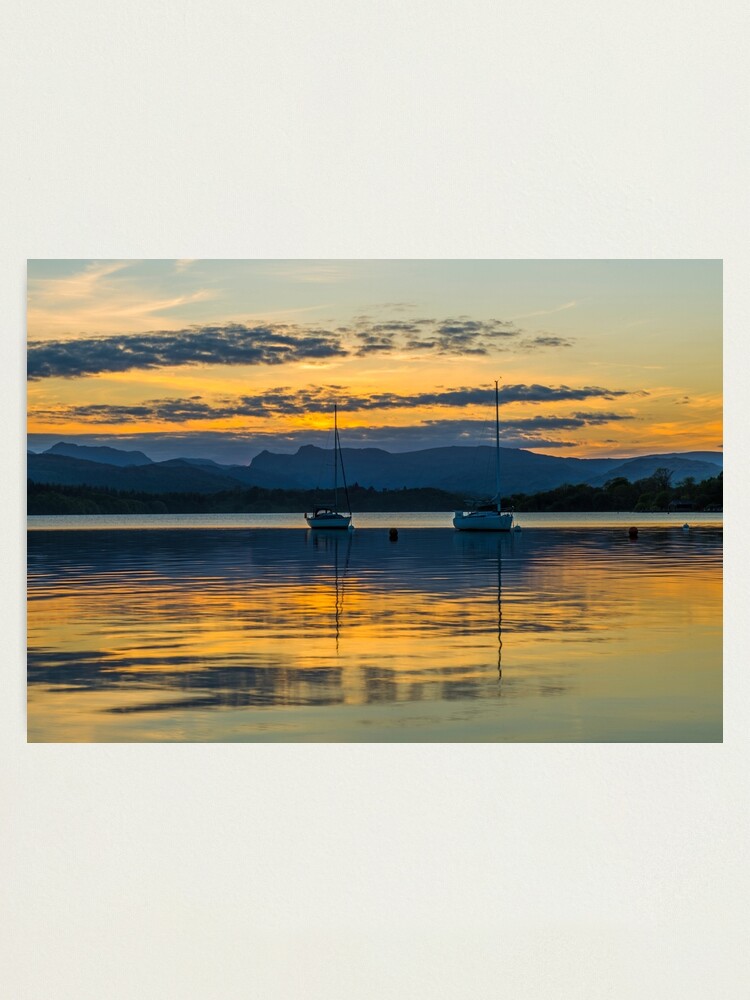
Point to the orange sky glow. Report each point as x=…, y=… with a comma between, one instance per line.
x=593, y=357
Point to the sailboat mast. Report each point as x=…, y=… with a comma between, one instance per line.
x=335, y=460
x=497, y=446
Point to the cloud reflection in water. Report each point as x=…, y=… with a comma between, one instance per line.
x=164, y=623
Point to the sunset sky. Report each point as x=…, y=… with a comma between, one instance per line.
x=220, y=359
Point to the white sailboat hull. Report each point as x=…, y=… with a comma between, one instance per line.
x=482, y=520
x=328, y=521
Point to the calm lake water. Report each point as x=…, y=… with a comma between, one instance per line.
x=225, y=628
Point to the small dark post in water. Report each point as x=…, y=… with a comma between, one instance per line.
x=393, y=534
x=633, y=533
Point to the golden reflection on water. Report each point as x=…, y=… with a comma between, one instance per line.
x=257, y=634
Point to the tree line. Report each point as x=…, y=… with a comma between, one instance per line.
x=655, y=493
x=46, y=498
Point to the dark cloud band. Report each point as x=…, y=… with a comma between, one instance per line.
x=235, y=344
x=240, y=446
x=270, y=344
x=282, y=401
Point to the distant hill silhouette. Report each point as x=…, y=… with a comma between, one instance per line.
x=681, y=466
x=103, y=454
x=158, y=477
x=468, y=471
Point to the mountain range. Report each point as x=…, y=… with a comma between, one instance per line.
x=468, y=470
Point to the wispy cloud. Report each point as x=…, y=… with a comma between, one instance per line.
x=305, y=272
x=544, y=340
x=105, y=296
x=547, y=312
x=77, y=287
x=396, y=307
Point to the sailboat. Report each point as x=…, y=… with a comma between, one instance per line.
x=487, y=516
x=329, y=517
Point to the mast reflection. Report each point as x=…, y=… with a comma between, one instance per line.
x=499, y=616
x=332, y=541
x=477, y=546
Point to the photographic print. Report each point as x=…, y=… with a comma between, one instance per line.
x=374, y=500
